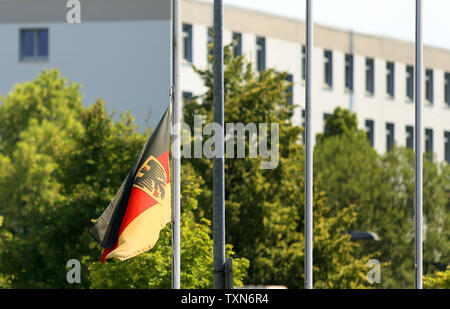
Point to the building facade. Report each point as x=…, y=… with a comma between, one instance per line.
x=372, y=76
x=121, y=53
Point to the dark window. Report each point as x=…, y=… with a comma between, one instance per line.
x=261, y=53
x=34, y=44
x=349, y=72
x=390, y=138
x=410, y=82
x=429, y=85
x=303, y=62
x=209, y=46
x=390, y=78
x=370, y=76
x=370, y=131
x=447, y=88
x=328, y=68
x=325, y=117
x=290, y=89
x=187, y=95
x=429, y=140
x=447, y=146
x=237, y=40
x=410, y=137
x=187, y=42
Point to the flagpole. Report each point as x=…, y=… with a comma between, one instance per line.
x=218, y=163
x=418, y=149
x=176, y=30
x=309, y=154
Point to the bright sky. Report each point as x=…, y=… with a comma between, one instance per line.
x=392, y=18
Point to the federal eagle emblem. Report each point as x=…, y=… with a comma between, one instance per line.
x=151, y=178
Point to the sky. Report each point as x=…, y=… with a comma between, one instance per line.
x=391, y=18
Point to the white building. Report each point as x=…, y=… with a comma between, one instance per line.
x=122, y=55
x=120, y=52
x=372, y=76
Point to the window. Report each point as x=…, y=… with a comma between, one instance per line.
x=410, y=137
x=261, y=53
x=390, y=138
x=34, y=44
x=447, y=146
x=447, y=89
x=325, y=117
x=209, y=47
x=328, y=68
x=349, y=72
x=290, y=89
x=370, y=131
x=187, y=42
x=390, y=79
x=429, y=85
x=370, y=76
x=186, y=96
x=237, y=40
x=429, y=140
x=303, y=62
x=410, y=82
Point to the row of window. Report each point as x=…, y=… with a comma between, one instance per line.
x=390, y=136
x=390, y=77
x=237, y=48
x=34, y=45
x=328, y=68
x=370, y=77
x=409, y=130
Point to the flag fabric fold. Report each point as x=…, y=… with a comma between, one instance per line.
x=131, y=223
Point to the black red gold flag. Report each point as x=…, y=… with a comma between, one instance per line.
x=131, y=223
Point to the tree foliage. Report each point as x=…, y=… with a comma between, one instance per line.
x=264, y=207
x=439, y=280
x=382, y=189
x=60, y=165
x=341, y=122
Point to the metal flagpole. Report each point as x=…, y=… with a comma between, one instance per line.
x=176, y=30
x=309, y=154
x=418, y=148
x=218, y=164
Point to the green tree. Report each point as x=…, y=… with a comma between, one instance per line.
x=264, y=207
x=60, y=166
x=382, y=188
x=341, y=122
x=4, y=280
x=439, y=280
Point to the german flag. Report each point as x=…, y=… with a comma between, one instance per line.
x=131, y=223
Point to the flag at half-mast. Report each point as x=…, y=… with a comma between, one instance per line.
x=131, y=223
